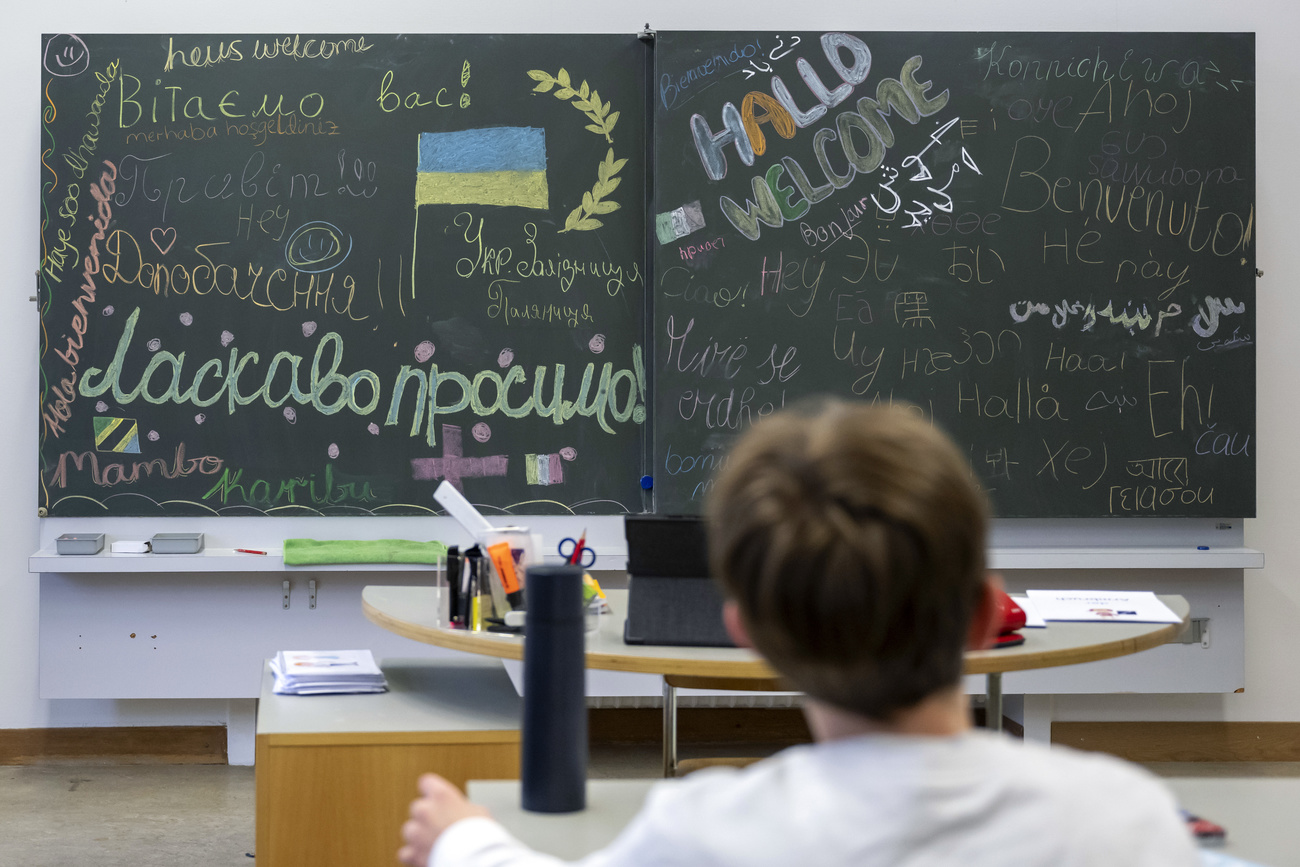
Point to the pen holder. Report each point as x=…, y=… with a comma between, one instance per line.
x=553, y=758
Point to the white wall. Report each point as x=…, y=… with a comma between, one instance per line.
x=1273, y=594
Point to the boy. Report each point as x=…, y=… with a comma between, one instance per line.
x=850, y=543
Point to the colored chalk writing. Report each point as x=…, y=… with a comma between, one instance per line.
x=288, y=274
x=1043, y=243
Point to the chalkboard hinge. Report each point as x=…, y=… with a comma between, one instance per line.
x=285, y=586
x=311, y=594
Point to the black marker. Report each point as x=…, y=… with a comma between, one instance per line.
x=453, y=584
x=468, y=586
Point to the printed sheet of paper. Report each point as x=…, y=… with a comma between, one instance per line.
x=1101, y=605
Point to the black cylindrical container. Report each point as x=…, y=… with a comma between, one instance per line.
x=553, y=764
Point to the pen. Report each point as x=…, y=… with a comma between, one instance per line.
x=576, y=557
x=248, y=551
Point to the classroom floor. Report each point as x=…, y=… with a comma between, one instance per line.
x=110, y=815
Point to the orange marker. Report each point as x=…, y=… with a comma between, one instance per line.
x=504, y=560
x=505, y=563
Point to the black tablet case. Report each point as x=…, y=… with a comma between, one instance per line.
x=671, y=598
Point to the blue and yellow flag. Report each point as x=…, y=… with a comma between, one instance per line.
x=503, y=165
x=116, y=434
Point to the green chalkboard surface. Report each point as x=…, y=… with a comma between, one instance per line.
x=319, y=274
x=1045, y=242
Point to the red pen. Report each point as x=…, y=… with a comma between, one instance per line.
x=248, y=551
x=576, y=557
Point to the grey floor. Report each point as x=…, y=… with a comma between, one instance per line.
x=106, y=815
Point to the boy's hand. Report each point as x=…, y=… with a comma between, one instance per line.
x=439, y=806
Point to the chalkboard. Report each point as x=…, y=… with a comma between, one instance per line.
x=1044, y=242
x=319, y=274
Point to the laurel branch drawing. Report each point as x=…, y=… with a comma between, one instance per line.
x=587, y=100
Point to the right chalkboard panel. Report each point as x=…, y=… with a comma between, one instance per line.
x=1045, y=242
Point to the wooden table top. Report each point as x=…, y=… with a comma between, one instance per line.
x=412, y=612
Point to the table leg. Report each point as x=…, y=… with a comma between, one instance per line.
x=1038, y=718
x=241, y=731
x=670, y=729
x=993, y=702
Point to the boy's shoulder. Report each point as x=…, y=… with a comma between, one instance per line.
x=1067, y=775
x=972, y=793
x=1066, y=764
x=1051, y=783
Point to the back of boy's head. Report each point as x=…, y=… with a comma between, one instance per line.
x=852, y=539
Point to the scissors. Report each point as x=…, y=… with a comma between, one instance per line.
x=576, y=551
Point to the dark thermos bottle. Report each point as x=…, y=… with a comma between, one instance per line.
x=553, y=763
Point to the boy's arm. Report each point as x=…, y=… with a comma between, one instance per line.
x=439, y=806
x=457, y=833
x=482, y=842
x=476, y=841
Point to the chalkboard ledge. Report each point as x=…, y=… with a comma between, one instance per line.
x=1004, y=559
x=207, y=560
x=1125, y=558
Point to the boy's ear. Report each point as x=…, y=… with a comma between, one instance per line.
x=987, y=621
x=735, y=624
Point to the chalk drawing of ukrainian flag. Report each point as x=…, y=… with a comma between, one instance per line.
x=502, y=165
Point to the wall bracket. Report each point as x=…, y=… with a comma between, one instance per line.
x=1197, y=632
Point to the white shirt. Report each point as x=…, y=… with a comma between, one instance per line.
x=971, y=800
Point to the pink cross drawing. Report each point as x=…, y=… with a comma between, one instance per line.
x=453, y=465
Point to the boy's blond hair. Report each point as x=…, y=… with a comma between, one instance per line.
x=852, y=539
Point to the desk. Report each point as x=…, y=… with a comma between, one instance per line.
x=336, y=773
x=412, y=612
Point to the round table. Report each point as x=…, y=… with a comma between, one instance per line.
x=413, y=612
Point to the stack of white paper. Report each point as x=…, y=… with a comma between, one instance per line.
x=314, y=672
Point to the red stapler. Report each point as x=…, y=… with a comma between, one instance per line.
x=1013, y=618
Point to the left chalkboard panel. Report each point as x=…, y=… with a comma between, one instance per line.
x=319, y=275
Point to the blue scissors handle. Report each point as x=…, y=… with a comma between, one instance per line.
x=586, y=559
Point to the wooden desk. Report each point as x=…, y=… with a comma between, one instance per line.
x=411, y=612
x=336, y=773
